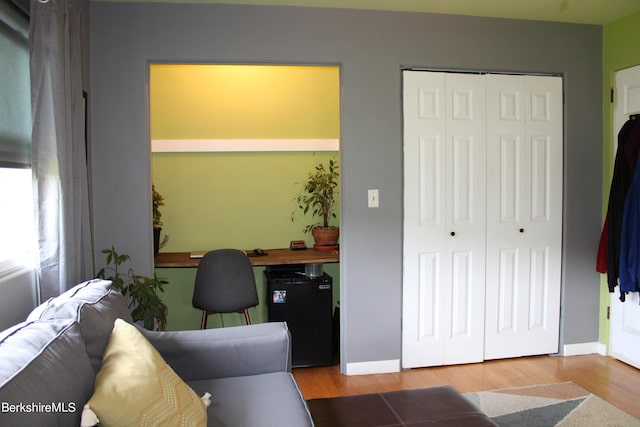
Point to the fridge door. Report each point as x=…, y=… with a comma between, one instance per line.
x=306, y=305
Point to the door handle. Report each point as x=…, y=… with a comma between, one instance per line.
x=453, y=233
x=522, y=230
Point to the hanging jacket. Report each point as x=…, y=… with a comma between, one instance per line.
x=629, y=243
x=626, y=156
x=601, y=261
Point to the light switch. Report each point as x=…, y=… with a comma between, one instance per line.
x=373, y=198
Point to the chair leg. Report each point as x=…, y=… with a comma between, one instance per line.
x=206, y=313
x=205, y=316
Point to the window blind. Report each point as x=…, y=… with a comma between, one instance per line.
x=15, y=92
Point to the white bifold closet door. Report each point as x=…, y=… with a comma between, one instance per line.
x=483, y=216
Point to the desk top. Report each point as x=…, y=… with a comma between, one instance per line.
x=272, y=257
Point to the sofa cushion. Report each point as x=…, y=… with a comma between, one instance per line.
x=136, y=386
x=45, y=374
x=95, y=305
x=271, y=399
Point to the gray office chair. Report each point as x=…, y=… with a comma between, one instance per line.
x=224, y=284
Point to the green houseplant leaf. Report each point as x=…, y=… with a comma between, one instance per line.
x=141, y=291
x=318, y=195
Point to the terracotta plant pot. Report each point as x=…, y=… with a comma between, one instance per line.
x=326, y=239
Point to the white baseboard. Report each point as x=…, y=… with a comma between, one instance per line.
x=584, y=348
x=390, y=366
x=375, y=367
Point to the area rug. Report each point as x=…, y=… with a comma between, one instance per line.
x=441, y=406
x=561, y=404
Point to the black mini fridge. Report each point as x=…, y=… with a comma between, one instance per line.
x=306, y=304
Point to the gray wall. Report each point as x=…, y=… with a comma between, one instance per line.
x=19, y=297
x=371, y=48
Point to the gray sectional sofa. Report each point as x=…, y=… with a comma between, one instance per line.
x=48, y=364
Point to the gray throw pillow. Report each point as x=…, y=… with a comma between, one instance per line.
x=95, y=305
x=45, y=374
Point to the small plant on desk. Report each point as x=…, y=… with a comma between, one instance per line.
x=318, y=197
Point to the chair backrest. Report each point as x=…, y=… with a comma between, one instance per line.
x=225, y=282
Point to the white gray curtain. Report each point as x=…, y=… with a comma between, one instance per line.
x=59, y=155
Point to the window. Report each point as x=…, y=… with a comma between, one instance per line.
x=17, y=246
x=16, y=190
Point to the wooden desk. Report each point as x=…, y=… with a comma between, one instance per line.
x=273, y=257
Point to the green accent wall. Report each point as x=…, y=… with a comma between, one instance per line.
x=621, y=49
x=229, y=200
x=241, y=200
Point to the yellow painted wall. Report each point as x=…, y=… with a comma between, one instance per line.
x=238, y=200
x=621, y=49
x=199, y=101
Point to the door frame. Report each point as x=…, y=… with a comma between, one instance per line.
x=616, y=317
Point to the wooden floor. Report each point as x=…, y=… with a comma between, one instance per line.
x=608, y=378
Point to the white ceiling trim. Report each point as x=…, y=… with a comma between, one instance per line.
x=237, y=145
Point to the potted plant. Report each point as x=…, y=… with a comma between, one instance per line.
x=158, y=201
x=141, y=291
x=318, y=197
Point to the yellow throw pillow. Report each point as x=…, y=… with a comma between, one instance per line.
x=136, y=387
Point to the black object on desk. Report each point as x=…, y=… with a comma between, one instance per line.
x=257, y=252
x=297, y=245
x=305, y=303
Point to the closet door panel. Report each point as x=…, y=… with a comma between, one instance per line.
x=524, y=216
x=542, y=234
x=540, y=179
x=464, y=292
x=508, y=291
x=510, y=172
x=430, y=181
x=428, y=294
x=506, y=279
x=425, y=220
x=462, y=180
x=539, y=289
